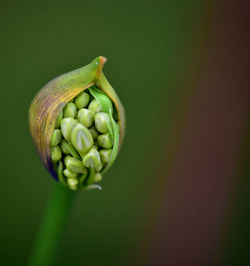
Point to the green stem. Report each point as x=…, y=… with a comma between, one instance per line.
x=52, y=227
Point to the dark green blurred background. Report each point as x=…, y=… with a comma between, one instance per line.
x=155, y=51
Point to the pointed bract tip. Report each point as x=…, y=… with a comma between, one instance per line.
x=103, y=59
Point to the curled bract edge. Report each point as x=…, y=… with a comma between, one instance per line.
x=50, y=101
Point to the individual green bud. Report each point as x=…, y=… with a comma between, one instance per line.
x=56, y=137
x=58, y=121
x=105, y=141
x=101, y=122
x=92, y=159
x=98, y=177
x=68, y=149
x=67, y=125
x=74, y=165
x=85, y=117
x=93, y=132
x=72, y=183
x=69, y=110
x=105, y=155
x=56, y=154
x=69, y=174
x=82, y=100
x=81, y=139
x=95, y=106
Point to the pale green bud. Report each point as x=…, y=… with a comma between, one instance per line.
x=69, y=110
x=56, y=154
x=68, y=149
x=98, y=177
x=101, y=122
x=69, y=174
x=85, y=117
x=105, y=141
x=72, y=183
x=92, y=159
x=67, y=125
x=82, y=100
x=95, y=106
x=94, y=132
x=105, y=155
x=74, y=165
x=58, y=121
x=81, y=139
x=56, y=137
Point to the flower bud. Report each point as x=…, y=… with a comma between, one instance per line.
x=82, y=100
x=69, y=110
x=72, y=183
x=69, y=174
x=105, y=155
x=105, y=141
x=67, y=125
x=56, y=154
x=56, y=137
x=85, y=117
x=60, y=132
x=92, y=159
x=95, y=106
x=68, y=149
x=98, y=177
x=81, y=139
x=74, y=165
x=102, y=122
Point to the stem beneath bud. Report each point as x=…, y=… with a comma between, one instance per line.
x=52, y=227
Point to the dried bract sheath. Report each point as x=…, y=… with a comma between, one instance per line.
x=77, y=123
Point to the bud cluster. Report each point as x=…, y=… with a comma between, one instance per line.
x=81, y=143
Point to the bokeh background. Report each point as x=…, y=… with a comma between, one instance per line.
x=179, y=193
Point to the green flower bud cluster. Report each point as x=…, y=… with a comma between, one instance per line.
x=81, y=144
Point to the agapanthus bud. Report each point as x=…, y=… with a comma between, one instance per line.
x=105, y=155
x=56, y=154
x=76, y=150
x=102, y=122
x=95, y=106
x=92, y=159
x=69, y=174
x=85, y=117
x=82, y=100
x=74, y=165
x=81, y=139
x=56, y=137
x=98, y=177
x=105, y=141
x=69, y=110
x=67, y=125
